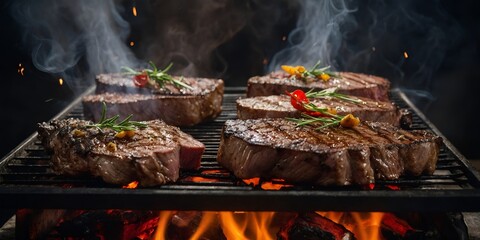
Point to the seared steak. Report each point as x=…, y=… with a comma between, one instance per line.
x=349, y=83
x=122, y=83
x=178, y=107
x=278, y=106
x=152, y=156
x=278, y=148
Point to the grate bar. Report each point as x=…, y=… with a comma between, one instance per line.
x=26, y=180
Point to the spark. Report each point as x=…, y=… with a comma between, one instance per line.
x=134, y=11
x=405, y=54
x=21, y=69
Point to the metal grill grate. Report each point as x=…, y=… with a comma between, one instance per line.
x=27, y=181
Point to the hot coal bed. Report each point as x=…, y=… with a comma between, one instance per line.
x=61, y=207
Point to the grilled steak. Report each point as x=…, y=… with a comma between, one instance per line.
x=277, y=148
x=152, y=156
x=178, y=107
x=279, y=106
x=355, y=84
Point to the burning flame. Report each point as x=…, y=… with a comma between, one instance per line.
x=363, y=225
x=405, y=55
x=162, y=224
x=132, y=43
x=251, y=225
x=60, y=81
x=20, y=69
x=266, y=225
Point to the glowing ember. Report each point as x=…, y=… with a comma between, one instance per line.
x=132, y=43
x=60, y=81
x=133, y=184
x=275, y=184
x=405, y=54
x=134, y=11
x=20, y=69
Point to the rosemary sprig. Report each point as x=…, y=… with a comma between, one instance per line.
x=312, y=114
x=309, y=120
x=315, y=71
x=159, y=76
x=331, y=92
x=124, y=125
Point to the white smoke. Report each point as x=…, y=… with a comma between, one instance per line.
x=318, y=35
x=63, y=35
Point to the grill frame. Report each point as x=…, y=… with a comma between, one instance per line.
x=26, y=182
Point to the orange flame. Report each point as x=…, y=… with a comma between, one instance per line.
x=132, y=43
x=162, y=224
x=247, y=225
x=362, y=225
x=405, y=55
x=265, y=225
x=60, y=81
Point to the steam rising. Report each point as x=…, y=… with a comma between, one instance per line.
x=61, y=34
x=79, y=39
x=318, y=35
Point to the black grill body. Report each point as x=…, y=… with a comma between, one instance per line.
x=27, y=181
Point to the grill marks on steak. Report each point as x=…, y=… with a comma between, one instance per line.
x=153, y=156
x=277, y=148
x=178, y=107
x=278, y=106
x=355, y=84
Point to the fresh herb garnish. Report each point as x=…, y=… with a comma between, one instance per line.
x=125, y=125
x=312, y=114
x=141, y=78
x=315, y=72
x=331, y=92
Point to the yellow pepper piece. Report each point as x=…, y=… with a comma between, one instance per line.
x=294, y=70
x=300, y=69
x=130, y=133
x=78, y=133
x=349, y=121
x=121, y=134
x=289, y=69
x=332, y=111
x=324, y=76
x=112, y=147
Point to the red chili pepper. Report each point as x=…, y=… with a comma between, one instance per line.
x=298, y=99
x=140, y=80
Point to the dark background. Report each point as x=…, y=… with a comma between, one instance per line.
x=449, y=91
